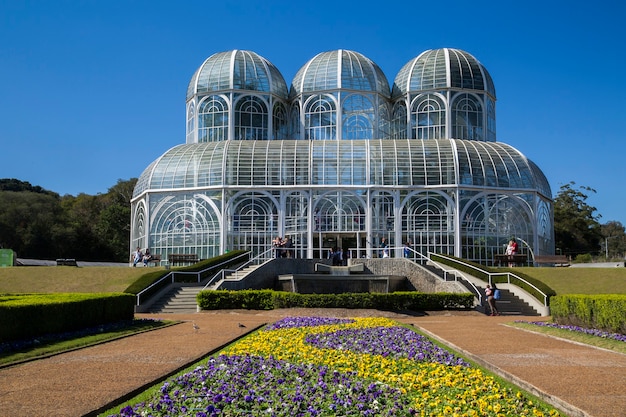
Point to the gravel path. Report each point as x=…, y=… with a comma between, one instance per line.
x=583, y=381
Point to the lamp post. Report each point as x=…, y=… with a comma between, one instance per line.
x=532, y=254
x=606, y=246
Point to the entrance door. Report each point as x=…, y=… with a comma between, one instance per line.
x=353, y=242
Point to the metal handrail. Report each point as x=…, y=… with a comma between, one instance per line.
x=492, y=274
x=172, y=275
x=222, y=272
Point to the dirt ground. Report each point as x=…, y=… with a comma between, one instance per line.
x=581, y=380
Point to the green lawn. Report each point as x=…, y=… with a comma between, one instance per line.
x=49, y=279
x=46, y=279
x=580, y=280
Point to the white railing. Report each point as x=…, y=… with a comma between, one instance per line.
x=223, y=273
x=490, y=275
x=172, y=276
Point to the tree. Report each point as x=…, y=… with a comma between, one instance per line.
x=27, y=222
x=576, y=227
x=613, y=240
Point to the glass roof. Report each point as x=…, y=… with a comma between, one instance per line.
x=238, y=70
x=340, y=69
x=437, y=69
x=362, y=163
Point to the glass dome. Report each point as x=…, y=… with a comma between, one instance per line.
x=394, y=163
x=237, y=70
x=438, y=69
x=340, y=69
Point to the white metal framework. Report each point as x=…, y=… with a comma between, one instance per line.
x=342, y=160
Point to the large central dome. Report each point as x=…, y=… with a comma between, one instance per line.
x=340, y=69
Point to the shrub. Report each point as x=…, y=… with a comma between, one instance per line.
x=29, y=315
x=268, y=299
x=603, y=312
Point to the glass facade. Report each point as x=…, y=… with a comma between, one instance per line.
x=342, y=159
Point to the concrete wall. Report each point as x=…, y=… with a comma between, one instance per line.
x=266, y=276
x=420, y=278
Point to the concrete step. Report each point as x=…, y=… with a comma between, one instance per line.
x=178, y=300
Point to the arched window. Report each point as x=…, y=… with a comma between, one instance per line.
x=491, y=121
x=213, y=119
x=357, y=113
x=398, y=121
x=428, y=118
x=294, y=121
x=251, y=119
x=320, y=118
x=467, y=118
x=191, y=117
x=279, y=122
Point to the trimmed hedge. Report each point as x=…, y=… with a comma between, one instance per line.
x=268, y=300
x=28, y=315
x=603, y=312
x=482, y=272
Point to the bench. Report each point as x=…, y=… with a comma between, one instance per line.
x=556, y=260
x=155, y=259
x=66, y=262
x=182, y=258
x=518, y=259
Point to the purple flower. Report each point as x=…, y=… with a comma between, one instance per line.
x=394, y=342
x=593, y=332
x=289, y=322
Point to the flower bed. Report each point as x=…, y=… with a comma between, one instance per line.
x=320, y=366
x=577, y=329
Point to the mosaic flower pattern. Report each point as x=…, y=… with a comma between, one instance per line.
x=335, y=367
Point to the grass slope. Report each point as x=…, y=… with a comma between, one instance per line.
x=44, y=279
x=580, y=280
x=51, y=279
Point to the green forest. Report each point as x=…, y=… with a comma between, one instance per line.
x=41, y=224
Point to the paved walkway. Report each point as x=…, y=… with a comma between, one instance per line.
x=581, y=380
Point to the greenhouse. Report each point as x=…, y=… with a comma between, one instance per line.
x=341, y=159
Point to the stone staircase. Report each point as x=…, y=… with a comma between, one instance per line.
x=177, y=300
x=234, y=276
x=509, y=305
x=182, y=299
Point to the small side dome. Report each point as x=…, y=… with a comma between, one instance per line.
x=237, y=70
x=443, y=68
x=339, y=69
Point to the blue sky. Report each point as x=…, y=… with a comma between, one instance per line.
x=94, y=91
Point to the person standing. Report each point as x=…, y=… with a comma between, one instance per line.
x=407, y=249
x=511, y=251
x=491, y=300
x=384, y=253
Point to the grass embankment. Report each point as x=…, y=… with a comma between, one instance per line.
x=50, y=279
x=580, y=280
x=41, y=279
